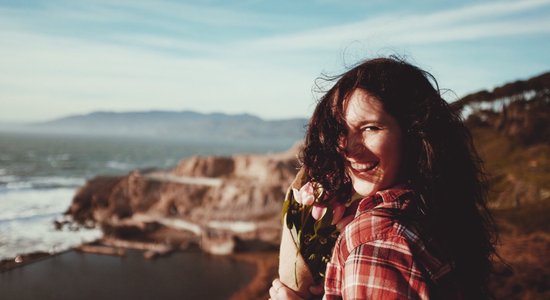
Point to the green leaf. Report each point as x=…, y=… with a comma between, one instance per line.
x=326, y=220
x=292, y=219
x=284, y=211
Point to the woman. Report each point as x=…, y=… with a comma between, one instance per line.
x=421, y=228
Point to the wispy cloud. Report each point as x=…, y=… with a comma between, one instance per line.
x=171, y=16
x=195, y=12
x=487, y=20
x=158, y=25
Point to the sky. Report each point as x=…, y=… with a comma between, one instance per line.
x=67, y=57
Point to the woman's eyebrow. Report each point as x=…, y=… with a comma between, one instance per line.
x=366, y=121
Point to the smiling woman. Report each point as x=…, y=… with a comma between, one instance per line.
x=372, y=147
x=385, y=145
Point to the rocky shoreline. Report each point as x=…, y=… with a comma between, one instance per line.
x=22, y=260
x=220, y=204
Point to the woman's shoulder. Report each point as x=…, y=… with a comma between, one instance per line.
x=387, y=229
x=371, y=227
x=381, y=216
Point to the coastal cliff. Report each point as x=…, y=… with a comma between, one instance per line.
x=218, y=203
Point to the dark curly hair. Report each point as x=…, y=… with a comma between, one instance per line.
x=440, y=162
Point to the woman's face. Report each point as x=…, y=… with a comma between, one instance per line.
x=373, y=144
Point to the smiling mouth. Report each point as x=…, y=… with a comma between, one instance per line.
x=363, y=167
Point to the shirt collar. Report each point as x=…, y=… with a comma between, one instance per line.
x=398, y=198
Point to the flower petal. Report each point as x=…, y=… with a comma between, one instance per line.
x=318, y=211
x=307, y=195
x=307, y=199
x=297, y=195
x=307, y=188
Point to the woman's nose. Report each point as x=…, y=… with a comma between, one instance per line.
x=354, y=146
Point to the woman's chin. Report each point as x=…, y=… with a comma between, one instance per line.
x=364, y=189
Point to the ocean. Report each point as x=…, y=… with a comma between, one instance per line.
x=83, y=276
x=40, y=173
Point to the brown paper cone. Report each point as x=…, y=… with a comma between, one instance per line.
x=293, y=271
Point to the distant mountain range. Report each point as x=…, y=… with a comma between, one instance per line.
x=186, y=125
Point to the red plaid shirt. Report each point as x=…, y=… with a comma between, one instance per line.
x=382, y=256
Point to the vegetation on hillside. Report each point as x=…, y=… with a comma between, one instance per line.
x=510, y=128
x=513, y=139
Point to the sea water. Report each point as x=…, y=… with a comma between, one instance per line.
x=74, y=275
x=40, y=173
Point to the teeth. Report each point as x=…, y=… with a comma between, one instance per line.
x=364, y=167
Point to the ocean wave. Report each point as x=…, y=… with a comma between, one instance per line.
x=55, y=182
x=26, y=204
x=26, y=222
x=9, y=182
x=17, y=185
x=117, y=165
x=26, y=236
x=62, y=156
x=5, y=179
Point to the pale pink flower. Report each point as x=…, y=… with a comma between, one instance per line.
x=305, y=195
x=338, y=212
x=318, y=211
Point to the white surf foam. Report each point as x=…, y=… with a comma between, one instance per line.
x=26, y=222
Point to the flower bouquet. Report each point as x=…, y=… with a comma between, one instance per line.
x=312, y=222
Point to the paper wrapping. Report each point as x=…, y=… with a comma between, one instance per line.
x=293, y=270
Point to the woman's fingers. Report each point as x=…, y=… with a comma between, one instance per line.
x=277, y=283
x=279, y=291
x=274, y=289
x=272, y=293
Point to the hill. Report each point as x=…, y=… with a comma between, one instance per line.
x=510, y=127
x=186, y=125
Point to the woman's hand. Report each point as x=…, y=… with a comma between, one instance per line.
x=279, y=291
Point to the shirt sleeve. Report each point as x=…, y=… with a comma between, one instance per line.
x=382, y=269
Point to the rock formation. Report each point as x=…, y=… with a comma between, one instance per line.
x=216, y=199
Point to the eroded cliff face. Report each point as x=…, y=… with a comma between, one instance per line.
x=242, y=189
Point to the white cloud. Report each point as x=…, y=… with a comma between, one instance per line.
x=486, y=20
x=156, y=14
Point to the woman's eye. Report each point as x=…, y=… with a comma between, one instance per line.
x=370, y=128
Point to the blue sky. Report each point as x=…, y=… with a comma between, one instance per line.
x=262, y=57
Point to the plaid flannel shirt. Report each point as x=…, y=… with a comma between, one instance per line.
x=380, y=256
